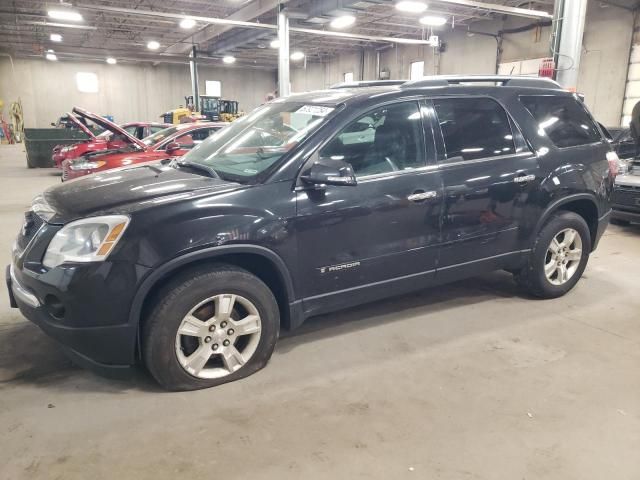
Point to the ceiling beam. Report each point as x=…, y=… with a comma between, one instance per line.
x=236, y=40
x=493, y=7
x=246, y=13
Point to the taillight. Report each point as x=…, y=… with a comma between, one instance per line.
x=614, y=163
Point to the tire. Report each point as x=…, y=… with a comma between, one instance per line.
x=620, y=222
x=533, y=277
x=203, y=295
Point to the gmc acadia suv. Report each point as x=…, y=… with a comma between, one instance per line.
x=308, y=205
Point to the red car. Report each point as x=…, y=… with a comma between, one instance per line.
x=107, y=140
x=174, y=141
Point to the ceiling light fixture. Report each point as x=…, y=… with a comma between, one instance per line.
x=111, y=61
x=55, y=37
x=343, y=21
x=275, y=43
x=411, y=6
x=51, y=56
x=153, y=45
x=297, y=55
x=229, y=59
x=433, y=21
x=65, y=14
x=187, y=23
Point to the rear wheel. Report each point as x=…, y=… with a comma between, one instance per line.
x=210, y=327
x=559, y=256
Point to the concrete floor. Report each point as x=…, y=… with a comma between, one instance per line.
x=470, y=380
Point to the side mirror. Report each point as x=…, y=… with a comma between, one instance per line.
x=327, y=171
x=172, y=147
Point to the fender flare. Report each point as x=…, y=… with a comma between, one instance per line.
x=206, y=254
x=556, y=204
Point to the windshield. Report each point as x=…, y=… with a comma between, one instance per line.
x=162, y=134
x=252, y=144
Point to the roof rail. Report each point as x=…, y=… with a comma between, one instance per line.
x=368, y=83
x=498, y=80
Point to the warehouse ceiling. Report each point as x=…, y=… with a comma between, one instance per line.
x=122, y=29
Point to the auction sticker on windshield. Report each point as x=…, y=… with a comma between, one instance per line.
x=316, y=110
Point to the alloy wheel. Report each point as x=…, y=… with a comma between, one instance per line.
x=563, y=256
x=218, y=336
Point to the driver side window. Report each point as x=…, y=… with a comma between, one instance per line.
x=388, y=139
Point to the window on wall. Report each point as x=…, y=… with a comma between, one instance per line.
x=348, y=77
x=213, y=88
x=417, y=70
x=87, y=82
x=474, y=128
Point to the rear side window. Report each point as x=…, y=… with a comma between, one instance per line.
x=563, y=119
x=474, y=128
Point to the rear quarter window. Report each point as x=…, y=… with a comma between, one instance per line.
x=563, y=119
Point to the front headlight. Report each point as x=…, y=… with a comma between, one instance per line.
x=84, y=165
x=623, y=166
x=86, y=240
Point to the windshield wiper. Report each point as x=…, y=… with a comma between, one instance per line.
x=198, y=166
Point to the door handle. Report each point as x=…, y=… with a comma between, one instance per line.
x=420, y=196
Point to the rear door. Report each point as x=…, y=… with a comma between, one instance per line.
x=358, y=243
x=488, y=173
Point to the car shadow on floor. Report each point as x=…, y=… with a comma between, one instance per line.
x=430, y=301
x=43, y=363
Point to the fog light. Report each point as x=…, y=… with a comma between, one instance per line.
x=54, y=306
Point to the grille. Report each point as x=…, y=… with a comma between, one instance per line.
x=32, y=223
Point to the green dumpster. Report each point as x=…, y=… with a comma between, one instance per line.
x=39, y=143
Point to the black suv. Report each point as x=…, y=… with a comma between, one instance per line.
x=311, y=204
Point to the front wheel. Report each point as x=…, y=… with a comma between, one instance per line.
x=559, y=256
x=210, y=327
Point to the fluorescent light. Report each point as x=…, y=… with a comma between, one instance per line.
x=187, y=23
x=55, y=37
x=51, y=56
x=275, y=43
x=297, y=55
x=433, y=21
x=111, y=61
x=343, y=21
x=153, y=45
x=65, y=14
x=229, y=59
x=411, y=6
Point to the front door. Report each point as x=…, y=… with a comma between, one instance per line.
x=489, y=174
x=379, y=237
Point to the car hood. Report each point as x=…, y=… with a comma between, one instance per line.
x=81, y=126
x=127, y=189
x=107, y=125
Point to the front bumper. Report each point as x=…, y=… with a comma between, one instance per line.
x=626, y=215
x=75, y=306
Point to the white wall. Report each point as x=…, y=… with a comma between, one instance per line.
x=603, y=67
x=605, y=58
x=128, y=92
